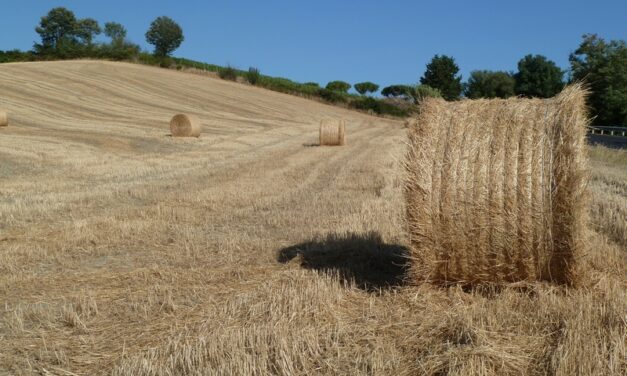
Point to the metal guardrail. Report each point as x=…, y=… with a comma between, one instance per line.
x=608, y=131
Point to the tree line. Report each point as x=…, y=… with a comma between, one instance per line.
x=601, y=64
x=65, y=36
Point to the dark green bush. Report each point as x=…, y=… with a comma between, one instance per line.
x=284, y=85
x=165, y=62
x=148, y=59
x=228, y=73
x=378, y=106
x=16, y=56
x=422, y=92
x=253, y=76
x=404, y=91
x=332, y=96
x=119, y=51
x=197, y=65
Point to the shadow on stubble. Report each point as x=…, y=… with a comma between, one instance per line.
x=364, y=259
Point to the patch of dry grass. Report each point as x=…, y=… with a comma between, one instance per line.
x=244, y=252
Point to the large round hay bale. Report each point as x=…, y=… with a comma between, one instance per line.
x=332, y=132
x=495, y=190
x=183, y=125
x=4, y=118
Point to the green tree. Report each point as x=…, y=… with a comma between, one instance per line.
x=339, y=86
x=441, y=74
x=490, y=84
x=404, y=91
x=603, y=66
x=421, y=92
x=63, y=35
x=366, y=87
x=165, y=34
x=538, y=76
x=115, y=31
x=119, y=48
x=56, y=28
x=86, y=30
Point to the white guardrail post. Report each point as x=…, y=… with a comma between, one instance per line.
x=608, y=131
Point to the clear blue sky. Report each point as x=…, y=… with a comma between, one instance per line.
x=386, y=42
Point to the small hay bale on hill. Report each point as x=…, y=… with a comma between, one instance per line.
x=332, y=132
x=495, y=190
x=183, y=125
x=4, y=118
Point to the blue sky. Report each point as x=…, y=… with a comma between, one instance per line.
x=386, y=42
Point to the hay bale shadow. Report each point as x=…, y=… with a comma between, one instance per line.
x=311, y=144
x=363, y=258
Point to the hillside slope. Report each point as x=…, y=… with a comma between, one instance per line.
x=121, y=102
x=251, y=251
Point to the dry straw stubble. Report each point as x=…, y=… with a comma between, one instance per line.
x=495, y=189
x=183, y=125
x=332, y=132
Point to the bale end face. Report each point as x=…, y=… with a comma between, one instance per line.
x=183, y=125
x=4, y=119
x=495, y=190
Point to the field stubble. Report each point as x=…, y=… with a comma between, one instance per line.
x=244, y=252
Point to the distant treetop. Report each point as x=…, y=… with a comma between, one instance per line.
x=61, y=30
x=165, y=34
x=339, y=86
x=489, y=84
x=366, y=87
x=538, y=76
x=115, y=31
x=404, y=91
x=602, y=65
x=442, y=74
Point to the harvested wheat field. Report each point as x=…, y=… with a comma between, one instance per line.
x=250, y=250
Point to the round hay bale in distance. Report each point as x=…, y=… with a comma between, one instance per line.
x=183, y=125
x=495, y=190
x=4, y=118
x=342, y=133
x=332, y=132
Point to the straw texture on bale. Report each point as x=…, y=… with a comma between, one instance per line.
x=495, y=190
x=183, y=125
x=4, y=118
x=332, y=132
